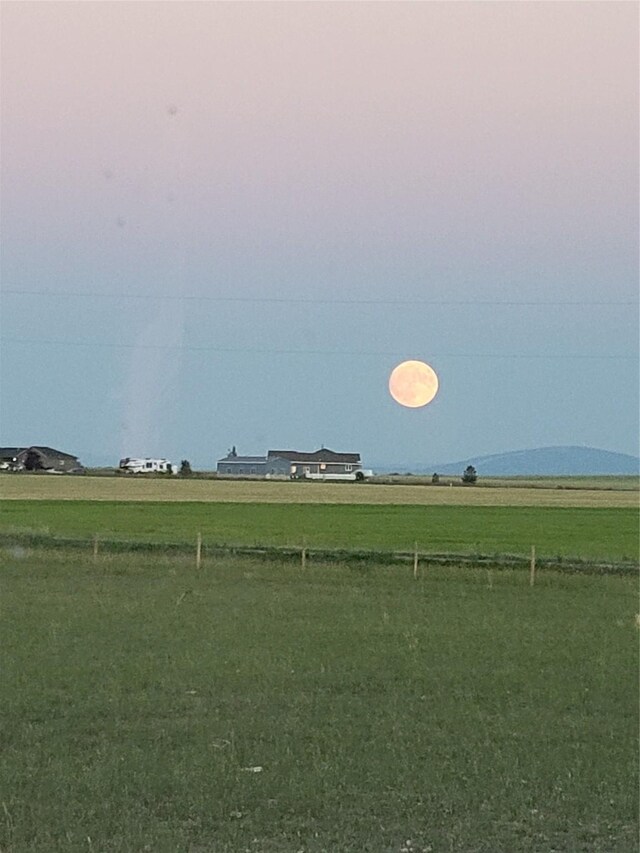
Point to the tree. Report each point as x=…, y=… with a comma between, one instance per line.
x=435, y=479
x=470, y=475
x=185, y=468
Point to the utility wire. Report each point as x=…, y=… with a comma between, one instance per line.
x=294, y=300
x=268, y=351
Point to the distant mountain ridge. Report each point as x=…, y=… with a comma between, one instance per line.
x=541, y=461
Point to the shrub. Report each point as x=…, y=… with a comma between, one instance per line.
x=470, y=475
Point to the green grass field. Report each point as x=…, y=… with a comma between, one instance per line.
x=462, y=711
x=583, y=532
x=386, y=714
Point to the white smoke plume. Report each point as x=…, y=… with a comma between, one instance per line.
x=152, y=388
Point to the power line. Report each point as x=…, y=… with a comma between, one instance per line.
x=296, y=300
x=269, y=351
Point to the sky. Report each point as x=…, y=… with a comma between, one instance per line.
x=224, y=223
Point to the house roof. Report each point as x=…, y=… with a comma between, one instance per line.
x=50, y=451
x=243, y=459
x=322, y=455
x=11, y=452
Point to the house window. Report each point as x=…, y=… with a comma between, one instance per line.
x=323, y=466
x=348, y=467
x=149, y=465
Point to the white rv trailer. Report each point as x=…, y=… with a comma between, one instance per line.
x=147, y=466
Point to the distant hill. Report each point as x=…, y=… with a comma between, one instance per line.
x=542, y=461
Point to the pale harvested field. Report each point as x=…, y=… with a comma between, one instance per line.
x=42, y=487
x=628, y=483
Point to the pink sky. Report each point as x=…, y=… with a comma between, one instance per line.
x=392, y=121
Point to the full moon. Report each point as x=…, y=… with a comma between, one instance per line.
x=413, y=384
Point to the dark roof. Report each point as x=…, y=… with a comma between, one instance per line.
x=243, y=459
x=9, y=452
x=12, y=452
x=322, y=455
x=50, y=451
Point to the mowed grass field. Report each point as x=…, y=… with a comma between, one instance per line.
x=586, y=533
x=50, y=487
x=255, y=706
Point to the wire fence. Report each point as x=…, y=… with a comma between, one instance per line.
x=303, y=554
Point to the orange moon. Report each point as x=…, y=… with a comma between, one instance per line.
x=413, y=384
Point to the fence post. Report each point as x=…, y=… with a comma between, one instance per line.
x=199, y=550
x=415, y=560
x=532, y=570
x=95, y=547
x=304, y=554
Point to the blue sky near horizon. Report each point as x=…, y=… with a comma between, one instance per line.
x=226, y=223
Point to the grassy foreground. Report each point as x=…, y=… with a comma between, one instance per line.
x=255, y=707
x=583, y=532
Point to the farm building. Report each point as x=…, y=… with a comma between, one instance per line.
x=36, y=458
x=234, y=465
x=318, y=464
